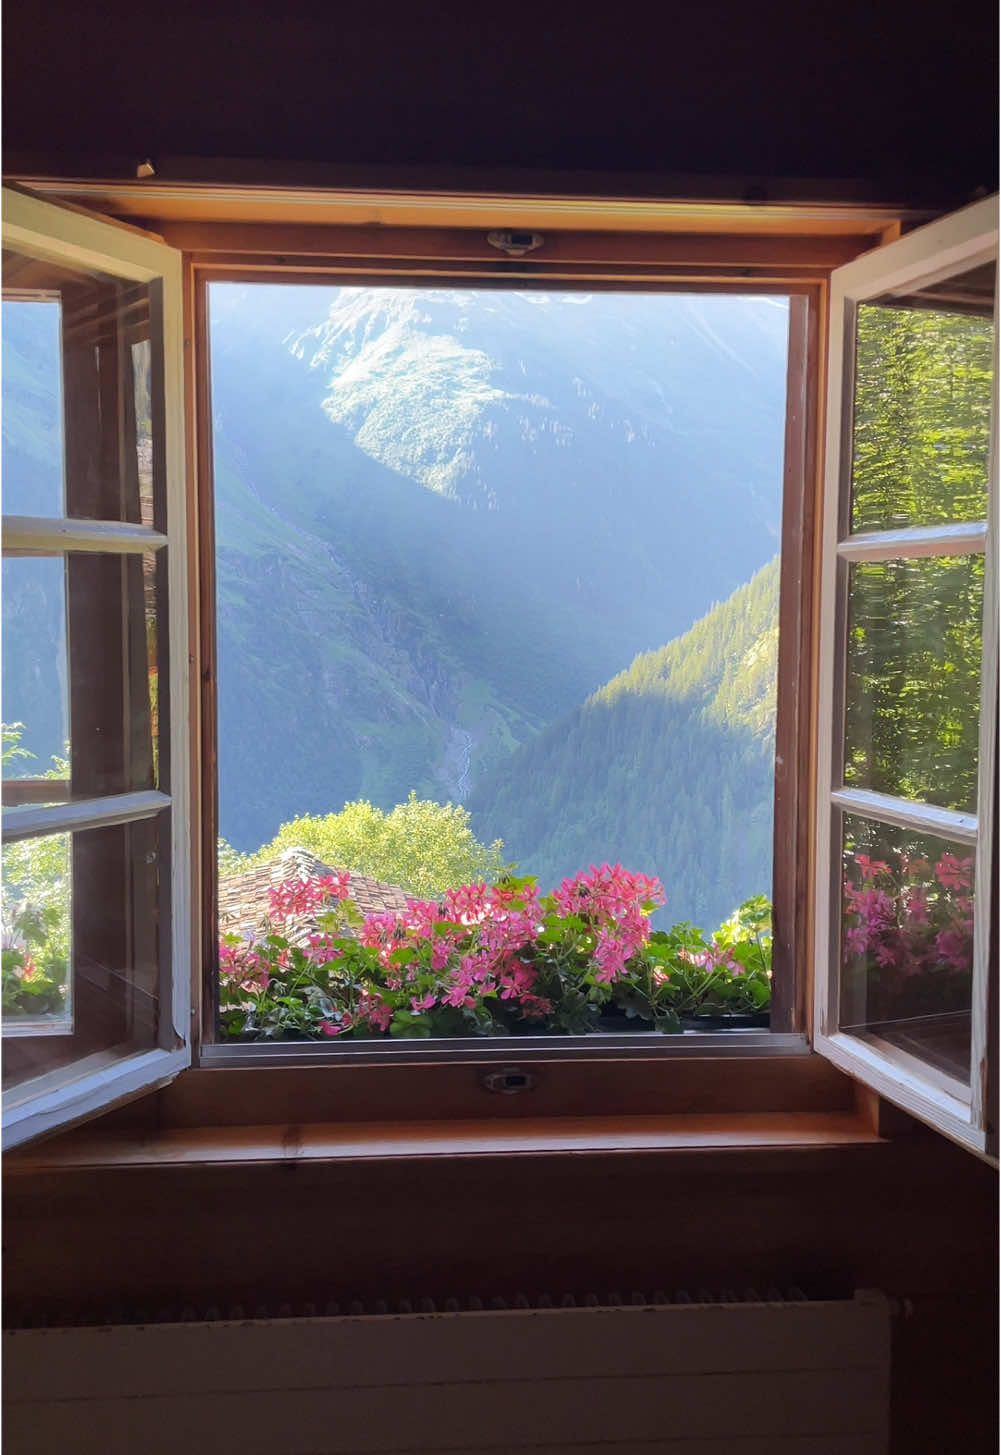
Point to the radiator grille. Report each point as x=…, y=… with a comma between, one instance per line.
x=228, y=1312
x=690, y=1376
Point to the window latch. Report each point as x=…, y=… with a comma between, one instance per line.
x=515, y=244
x=509, y=1080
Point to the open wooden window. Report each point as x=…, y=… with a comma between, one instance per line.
x=279, y=483
x=908, y=560
x=905, y=892
x=95, y=1004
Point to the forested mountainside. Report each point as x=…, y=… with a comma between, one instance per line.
x=668, y=766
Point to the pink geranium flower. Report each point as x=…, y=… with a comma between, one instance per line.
x=953, y=873
x=306, y=896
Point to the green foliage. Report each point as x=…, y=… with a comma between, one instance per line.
x=36, y=925
x=693, y=976
x=231, y=861
x=13, y=732
x=28, y=988
x=922, y=417
x=422, y=846
x=921, y=442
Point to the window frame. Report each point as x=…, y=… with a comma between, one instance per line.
x=945, y=247
x=246, y=233
x=411, y=259
x=87, y=1086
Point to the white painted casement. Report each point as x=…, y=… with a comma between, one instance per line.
x=929, y=256
x=83, y=244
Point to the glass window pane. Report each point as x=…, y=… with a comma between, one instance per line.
x=32, y=429
x=35, y=678
x=912, y=699
x=923, y=373
x=78, y=394
x=907, y=941
x=82, y=708
x=95, y=904
x=36, y=912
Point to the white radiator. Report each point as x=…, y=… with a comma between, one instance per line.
x=748, y=1378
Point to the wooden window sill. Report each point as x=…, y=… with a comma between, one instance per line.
x=325, y=1142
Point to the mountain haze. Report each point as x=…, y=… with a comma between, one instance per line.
x=445, y=517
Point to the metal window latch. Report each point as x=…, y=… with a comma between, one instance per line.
x=515, y=244
x=510, y=1079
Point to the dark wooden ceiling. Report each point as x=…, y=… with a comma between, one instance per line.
x=862, y=90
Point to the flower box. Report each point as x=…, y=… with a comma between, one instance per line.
x=490, y=960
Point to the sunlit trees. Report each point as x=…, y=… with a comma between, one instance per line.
x=422, y=846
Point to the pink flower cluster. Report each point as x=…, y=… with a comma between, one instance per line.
x=503, y=942
x=714, y=957
x=242, y=965
x=471, y=939
x=906, y=922
x=607, y=891
x=615, y=895
x=481, y=940
x=306, y=896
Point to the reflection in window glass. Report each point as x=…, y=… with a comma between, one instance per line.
x=81, y=931
x=36, y=931
x=907, y=940
x=913, y=678
x=142, y=356
x=922, y=406
x=114, y=681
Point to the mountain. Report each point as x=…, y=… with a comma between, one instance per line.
x=444, y=517
x=668, y=768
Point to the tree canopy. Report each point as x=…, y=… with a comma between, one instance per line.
x=423, y=846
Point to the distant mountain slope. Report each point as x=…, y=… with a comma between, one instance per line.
x=668, y=768
x=443, y=517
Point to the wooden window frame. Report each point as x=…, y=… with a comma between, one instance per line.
x=99, y=1079
x=412, y=257
x=966, y=1114
x=265, y=233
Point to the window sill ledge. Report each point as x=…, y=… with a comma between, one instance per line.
x=318, y=1143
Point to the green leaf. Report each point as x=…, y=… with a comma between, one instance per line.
x=668, y=1023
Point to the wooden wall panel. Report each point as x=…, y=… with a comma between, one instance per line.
x=916, y=1218
x=754, y=92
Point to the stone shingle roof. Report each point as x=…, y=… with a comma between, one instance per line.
x=244, y=902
